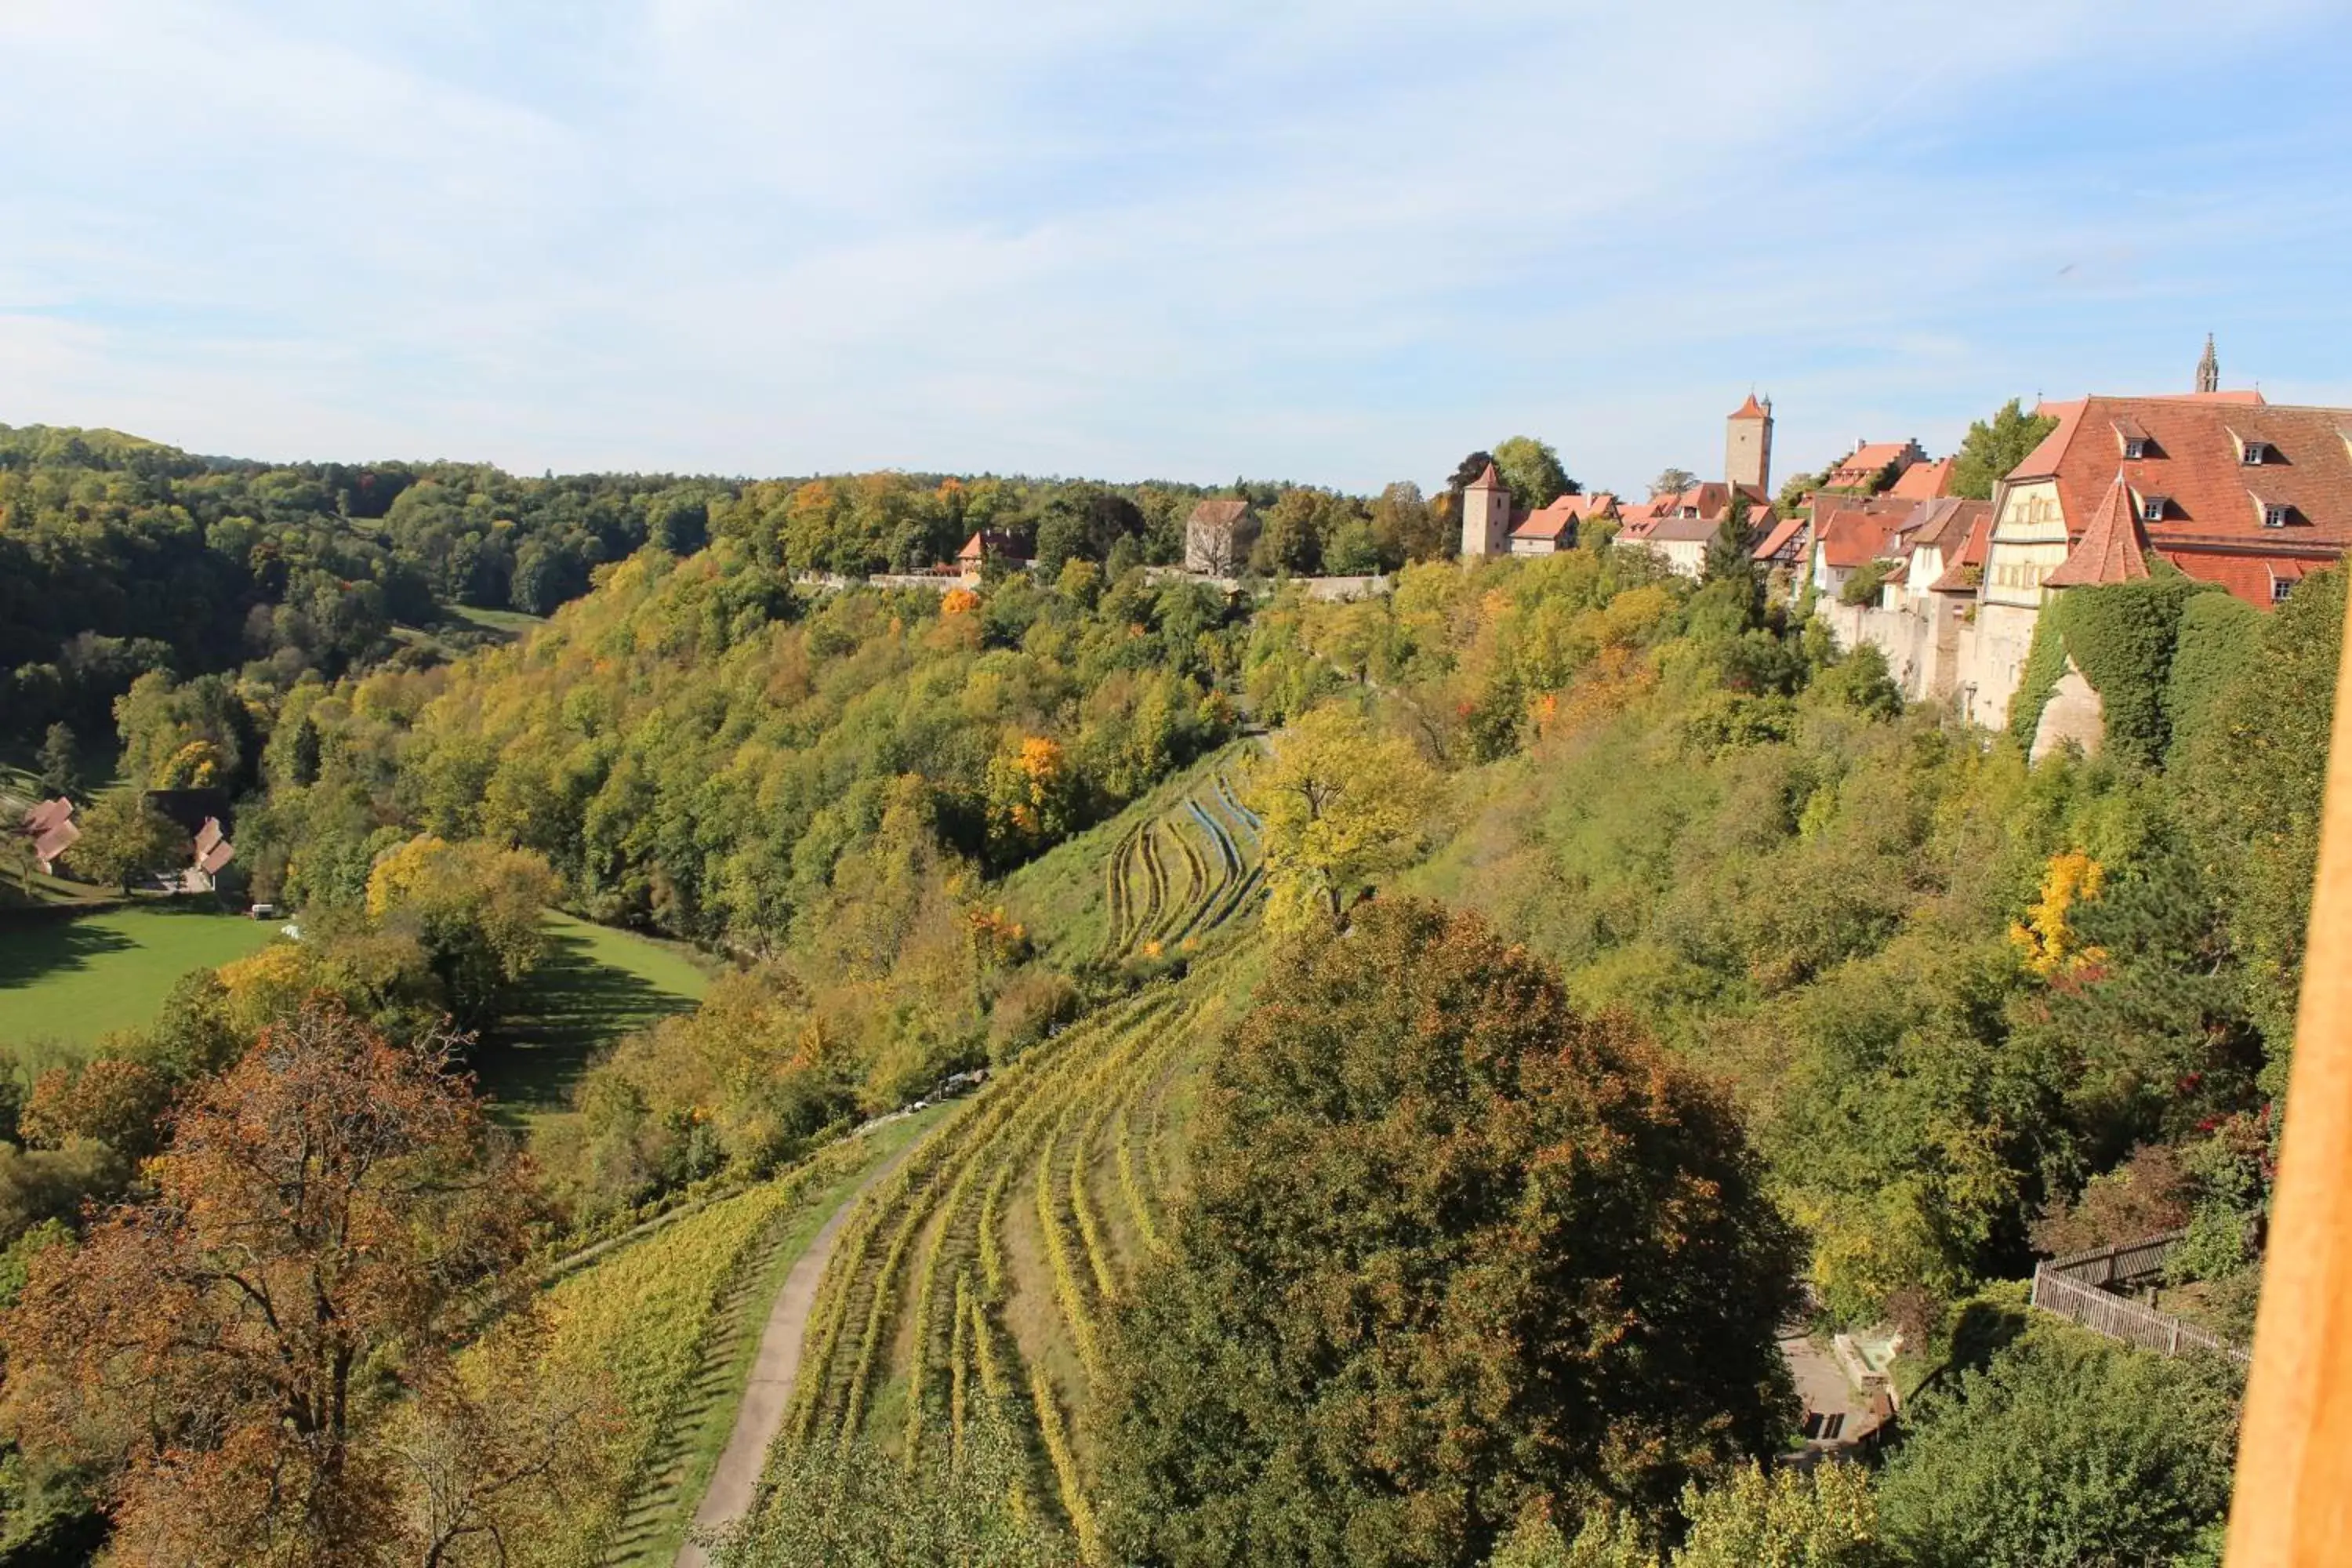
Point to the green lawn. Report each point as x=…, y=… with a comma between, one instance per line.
x=511, y=623
x=596, y=985
x=72, y=981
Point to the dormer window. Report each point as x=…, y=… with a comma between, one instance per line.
x=2151, y=509
x=2135, y=446
x=2280, y=588
x=2274, y=514
x=2254, y=454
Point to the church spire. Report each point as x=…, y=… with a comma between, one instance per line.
x=2208, y=369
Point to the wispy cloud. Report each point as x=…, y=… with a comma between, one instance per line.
x=1338, y=242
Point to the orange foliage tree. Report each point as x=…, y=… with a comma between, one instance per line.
x=330, y=1216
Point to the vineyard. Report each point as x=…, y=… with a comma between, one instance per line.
x=1177, y=876
x=984, y=1265
x=672, y=1319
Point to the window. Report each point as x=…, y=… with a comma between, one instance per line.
x=2273, y=515
x=2255, y=454
x=2135, y=446
x=2151, y=509
x=2280, y=588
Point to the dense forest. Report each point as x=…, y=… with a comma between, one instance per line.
x=1635, y=965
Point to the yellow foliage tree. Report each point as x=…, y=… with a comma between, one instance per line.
x=1343, y=804
x=2047, y=938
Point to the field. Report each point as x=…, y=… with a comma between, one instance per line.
x=985, y=1265
x=70, y=981
x=675, y=1318
x=596, y=985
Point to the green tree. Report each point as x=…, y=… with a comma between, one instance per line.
x=1533, y=471
x=1343, y=804
x=1728, y=558
x=2066, y=1449
x=58, y=766
x=1453, y=1248
x=1672, y=481
x=123, y=839
x=1993, y=447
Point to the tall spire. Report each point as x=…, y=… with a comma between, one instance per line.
x=2208, y=369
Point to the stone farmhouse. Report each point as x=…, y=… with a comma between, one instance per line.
x=1219, y=537
x=990, y=544
x=2223, y=486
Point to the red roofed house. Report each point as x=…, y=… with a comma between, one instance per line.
x=51, y=825
x=1872, y=466
x=1849, y=532
x=1551, y=528
x=2221, y=485
x=1923, y=481
x=1784, y=546
x=989, y=545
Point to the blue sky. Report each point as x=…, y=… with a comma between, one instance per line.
x=1337, y=243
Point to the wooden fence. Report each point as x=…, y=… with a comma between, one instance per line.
x=2120, y=1266
x=2120, y=1317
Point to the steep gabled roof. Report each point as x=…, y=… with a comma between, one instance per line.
x=1855, y=537
x=1751, y=409
x=2112, y=550
x=1487, y=480
x=1964, y=568
x=1217, y=512
x=1783, y=537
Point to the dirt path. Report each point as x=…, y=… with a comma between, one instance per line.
x=769, y=1389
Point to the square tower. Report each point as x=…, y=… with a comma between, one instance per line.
x=1486, y=516
x=1748, y=444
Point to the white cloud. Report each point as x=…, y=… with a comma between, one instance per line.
x=1330, y=241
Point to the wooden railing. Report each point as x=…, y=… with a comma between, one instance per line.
x=2120, y=1266
x=2121, y=1318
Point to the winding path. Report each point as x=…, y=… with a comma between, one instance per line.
x=736, y=1479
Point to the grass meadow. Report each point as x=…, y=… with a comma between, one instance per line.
x=67, y=982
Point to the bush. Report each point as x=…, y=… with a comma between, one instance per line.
x=2066, y=1449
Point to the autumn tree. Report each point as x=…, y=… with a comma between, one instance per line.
x=1343, y=804
x=319, y=1232
x=477, y=909
x=1453, y=1248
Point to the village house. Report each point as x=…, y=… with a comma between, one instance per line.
x=204, y=816
x=990, y=544
x=1677, y=525
x=1551, y=528
x=2223, y=486
x=1873, y=465
x=51, y=828
x=1219, y=537
x=1783, y=544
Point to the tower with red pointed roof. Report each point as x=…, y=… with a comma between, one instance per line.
x=1748, y=444
x=1486, y=516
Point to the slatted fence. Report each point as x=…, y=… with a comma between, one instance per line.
x=2121, y=1318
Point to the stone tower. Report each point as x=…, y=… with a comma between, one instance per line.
x=1486, y=516
x=1748, y=444
x=2208, y=369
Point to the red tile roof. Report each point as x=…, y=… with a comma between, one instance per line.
x=1964, y=569
x=2112, y=550
x=1751, y=409
x=1923, y=481
x=49, y=814
x=1487, y=480
x=213, y=851
x=990, y=542
x=1562, y=516
x=1784, y=541
x=2214, y=501
x=1221, y=514
x=52, y=829
x=1855, y=537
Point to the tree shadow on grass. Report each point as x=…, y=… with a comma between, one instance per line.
x=38, y=948
x=575, y=1006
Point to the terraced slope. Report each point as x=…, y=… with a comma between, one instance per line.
x=1179, y=876
x=986, y=1262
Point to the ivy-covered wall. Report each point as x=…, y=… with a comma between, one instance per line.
x=2156, y=651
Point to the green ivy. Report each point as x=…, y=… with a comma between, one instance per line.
x=2123, y=638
